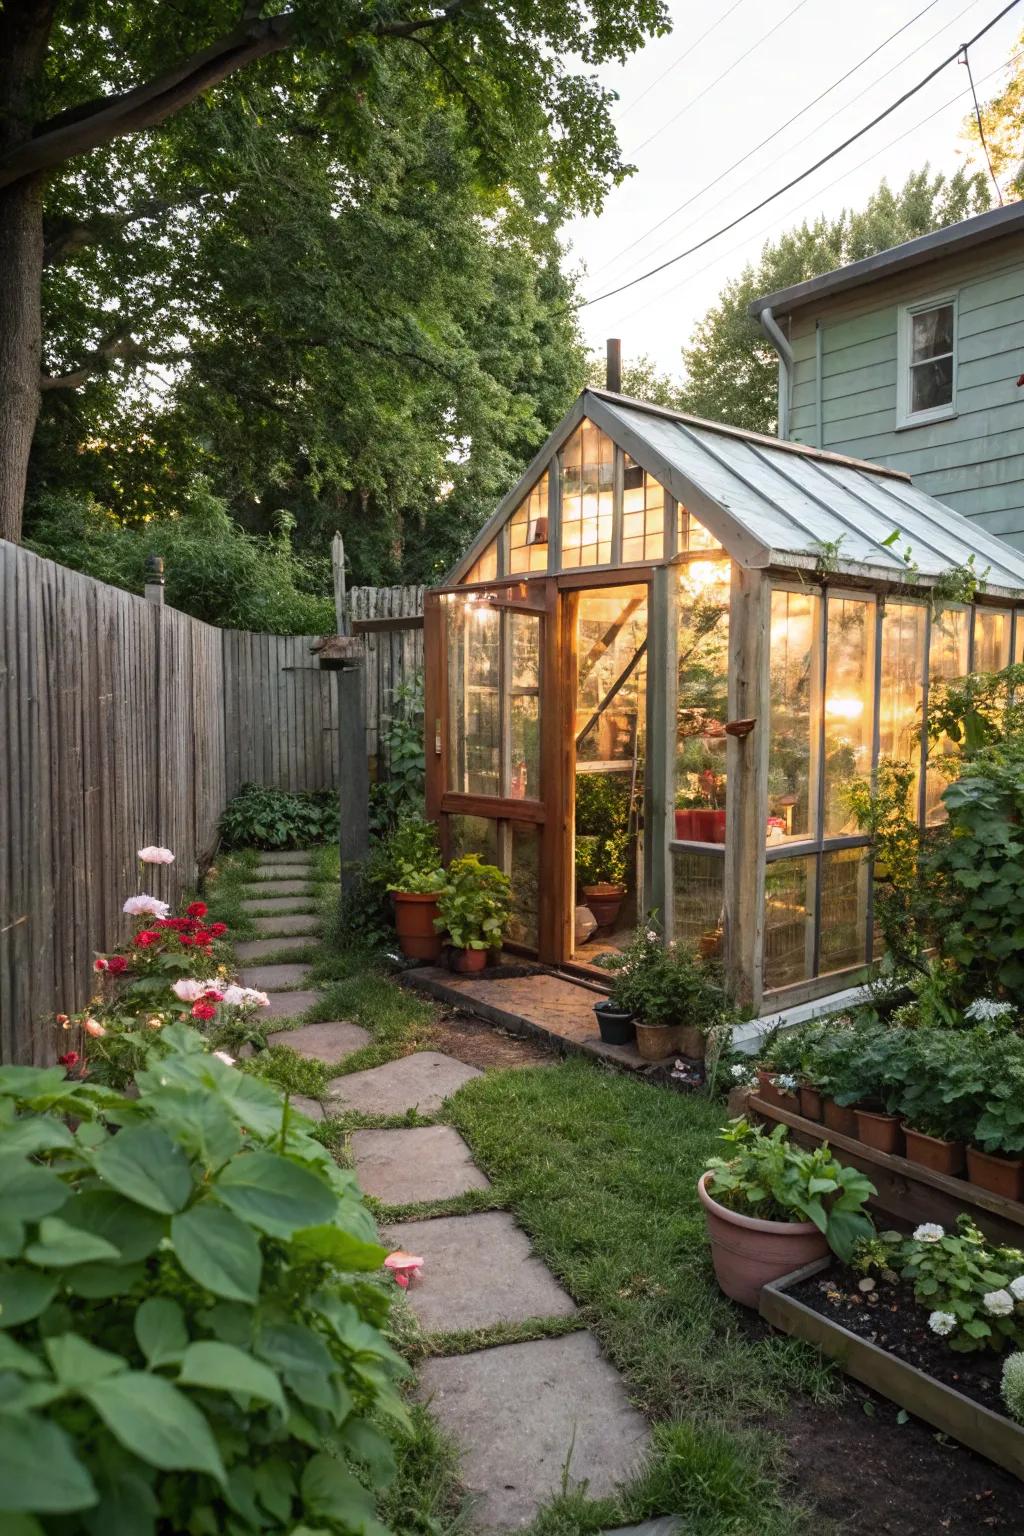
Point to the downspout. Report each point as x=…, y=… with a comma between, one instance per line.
x=771, y=328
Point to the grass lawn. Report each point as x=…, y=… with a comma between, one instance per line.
x=600, y=1170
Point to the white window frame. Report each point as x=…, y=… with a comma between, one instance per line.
x=905, y=417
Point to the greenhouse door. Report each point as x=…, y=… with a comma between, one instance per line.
x=605, y=638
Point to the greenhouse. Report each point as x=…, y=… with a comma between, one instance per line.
x=654, y=676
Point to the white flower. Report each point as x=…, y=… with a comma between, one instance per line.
x=999, y=1303
x=223, y=1056
x=1017, y=1288
x=189, y=991
x=145, y=906
x=156, y=855
x=739, y=1072
x=652, y=935
x=987, y=1008
x=942, y=1323
x=786, y=1081
x=255, y=998
x=929, y=1232
x=245, y=997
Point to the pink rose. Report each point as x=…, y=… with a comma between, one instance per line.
x=156, y=855
x=93, y=1027
x=187, y=990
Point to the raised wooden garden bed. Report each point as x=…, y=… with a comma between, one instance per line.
x=907, y=1190
x=991, y=1434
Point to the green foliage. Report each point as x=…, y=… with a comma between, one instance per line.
x=770, y=1178
x=1013, y=1386
x=1000, y=1128
x=980, y=710
x=262, y=817
x=192, y=1337
x=402, y=761
x=943, y=1081
x=662, y=984
x=474, y=904
x=885, y=810
x=602, y=828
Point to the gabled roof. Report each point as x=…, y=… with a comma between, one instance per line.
x=952, y=240
x=771, y=502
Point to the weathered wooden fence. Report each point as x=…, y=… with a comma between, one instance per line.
x=124, y=722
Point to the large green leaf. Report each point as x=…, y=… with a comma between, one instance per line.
x=15, y=1357
x=220, y=1252
x=274, y=1194
x=28, y=1192
x=305, y=1363
x=330, y=1489
x=39, y=1471
x=30, y=1082
x=127, y=1507
x=366, y=1443
x=157, y=1422
x=144, y=1164
x=160, y=1330
x=134, y=1231
x=203, y=1125
x=61, y=1245
x=98, y=1282
x=36, y=1133
x=334, y=1246
x=76, y=1363
x=224, y=1368
x=12, y=1237
x=23, y=1295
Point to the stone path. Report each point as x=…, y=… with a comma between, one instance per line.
x=525, y=1416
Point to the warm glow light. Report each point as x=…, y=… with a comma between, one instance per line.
x=698, y=575
x=845, y=709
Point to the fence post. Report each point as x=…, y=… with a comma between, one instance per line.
x=154, y=578
x=353, y=769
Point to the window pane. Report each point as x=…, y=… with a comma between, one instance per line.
x=991, y=640
x=698, y=880
x=524, y=868
x=947, y=659
x=702, y=703
x=931, y=333
x=486, y=567
x=524, y=705
x=691, y=534
x=1018, y=636
x=528, y=532
x=843, y=934
x=473, y=834
x=794, y=680
x=849, y=707
x=788, y=921
x=643, y=514
x=587, y=474
x=899, y=708
x=474, y=643
x=931, y=384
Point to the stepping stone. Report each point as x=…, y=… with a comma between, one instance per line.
x=286, y=923
x=285, y=856
x=426, y=1162
x=667, y=1525
x=323, y=1042
x=422, y=1081
x=520, y=1411
x=294, y=905
x=284, y=888
x=311, y=1107
x=479, y=1271
x=289, y=1005
x=274, y=978
x=259, y=949
x=282, y=872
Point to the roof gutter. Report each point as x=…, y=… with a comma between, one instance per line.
x=772, y=330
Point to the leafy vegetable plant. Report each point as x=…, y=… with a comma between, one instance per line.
x=262, y=817
x=190, y=1333
x=474, y=904
x=769, y=1177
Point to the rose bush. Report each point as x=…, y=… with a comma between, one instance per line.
x=190, y=1322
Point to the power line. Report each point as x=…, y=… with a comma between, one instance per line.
x=683, y=56
x=605, y=266
x=718, y=78
x=803, y=175
x=981, y=127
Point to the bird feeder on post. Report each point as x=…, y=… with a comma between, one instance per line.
x=344, y=654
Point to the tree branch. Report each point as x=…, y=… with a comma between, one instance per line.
x=110, y=350
x=66, y=237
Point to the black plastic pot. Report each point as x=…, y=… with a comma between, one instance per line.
x=616, y=1024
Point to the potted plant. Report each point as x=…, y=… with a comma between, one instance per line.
x=413, y=857
x=602, y=843
x=869, y=1083
x=474, y=908
x=673, y=997
x=995, y=1156
x=944, y=1082
x=772, y=1206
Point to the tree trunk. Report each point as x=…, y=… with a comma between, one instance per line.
x=21, y=276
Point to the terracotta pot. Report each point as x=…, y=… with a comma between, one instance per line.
x=414, y=921
x=656, y=1041
x=686, y=827
x=1001, y=1175
x=879, y=1131
x=615, y=1024
x=469, y=961
x=935, y=1153
x=768, y=1089
x=840, y=1118
x=747, y=1253
x=692, y=1041
x=604, y=902
x=811, y=1105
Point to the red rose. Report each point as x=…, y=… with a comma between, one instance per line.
x=145, y=938
x=213, y=996
x=69, y=1059
x=185, y=938
x=117, y=964
x=217, y=929
x=100, y=964
x=197, y=909
x=201, y=936
x=203, y=1010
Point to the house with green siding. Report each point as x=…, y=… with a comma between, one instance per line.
x=914, y=358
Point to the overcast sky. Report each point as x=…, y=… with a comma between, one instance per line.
x=697, y=129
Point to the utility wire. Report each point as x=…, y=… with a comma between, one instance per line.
x=676, y=62
x=981, y=127
x=803, y=175
x=718, y=79
x=605, y=266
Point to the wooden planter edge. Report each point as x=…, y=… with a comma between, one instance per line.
x=990, y=1434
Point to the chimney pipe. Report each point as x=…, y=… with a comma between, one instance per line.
x=613, y=368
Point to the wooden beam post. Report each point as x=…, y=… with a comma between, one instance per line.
x=353, y=766
x=747, y=769
x=662, y=687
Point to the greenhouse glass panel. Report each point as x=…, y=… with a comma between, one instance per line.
x=947, y=660
x=587, y=482
x=486, y=567
x=843, y=930
x=904, y=637
x=524, y=868
x=794, y=673
x=473, y=834
x=643, y=514
x=691, y=535
x=474, y=670
x=702, y=701
x=789, y=921
x=991, y=640
x=524, y=706
x=849, y=707
x=528, y=532
x=698, y=896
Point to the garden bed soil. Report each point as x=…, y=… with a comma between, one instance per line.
x=480, y=1044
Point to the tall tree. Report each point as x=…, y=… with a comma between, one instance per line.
x=1002, y=121
x=731, y=369
x=79, y=79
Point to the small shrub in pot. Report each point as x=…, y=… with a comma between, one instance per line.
x=674, y=997
x=474, y=907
